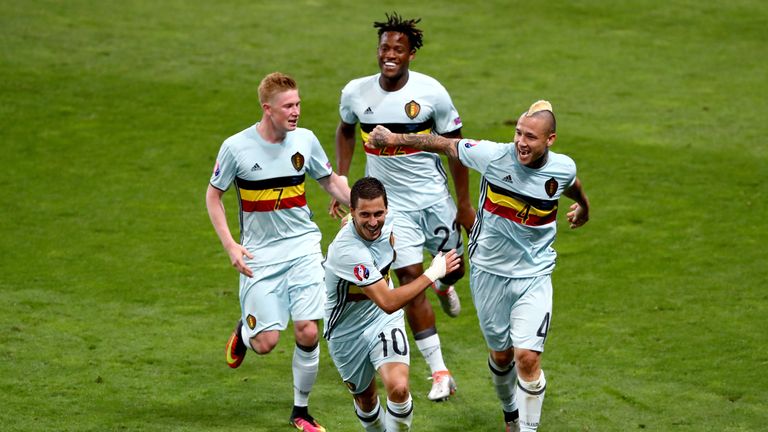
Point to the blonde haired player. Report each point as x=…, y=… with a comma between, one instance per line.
x=278, y=255
x=510, y=247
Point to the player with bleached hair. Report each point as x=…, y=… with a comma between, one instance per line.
x=510, y=247
x=363, y=318
x=279, y=254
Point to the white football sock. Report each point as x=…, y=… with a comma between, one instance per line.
x=504, y=381
x=305, y=366
x=530, y=397
x=430, y=349
x=372, y=421
x=399, y=415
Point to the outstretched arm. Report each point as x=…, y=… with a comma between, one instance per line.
x=579, y=214
x=382, y=137
x=391, y=300
x=465, y=214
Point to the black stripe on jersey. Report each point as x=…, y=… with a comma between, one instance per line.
x=276, y=182
x=441, y=169
x=402, y=128
x=338, y=308
x=534, y=202
x=478, y=218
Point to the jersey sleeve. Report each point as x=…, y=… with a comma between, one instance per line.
x=355, y=265
x=318, y=165
x=446, y=116
x=346, y=107
x=478, y=154
x=225, y=169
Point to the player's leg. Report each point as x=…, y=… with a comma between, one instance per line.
x=493, y=298
x=352, y=359
x=263, y=315
x=394, y=376
x=305, y=298
x=531, y=317
x=442, y=233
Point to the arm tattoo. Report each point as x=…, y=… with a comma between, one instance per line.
x=432, y=143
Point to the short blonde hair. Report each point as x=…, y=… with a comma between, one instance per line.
x=275, y=83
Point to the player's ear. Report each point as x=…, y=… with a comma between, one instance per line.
x=551, y=139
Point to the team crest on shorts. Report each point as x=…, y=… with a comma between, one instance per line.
x=251, y=320
x=551, y=187
x=350, y=386
x=298, y=161
x=361, y=272
x=412, y=109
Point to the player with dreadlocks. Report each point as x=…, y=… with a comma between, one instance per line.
x=420, y=203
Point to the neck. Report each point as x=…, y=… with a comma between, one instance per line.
x=269, y=132
x=393, y=84
x=538, y=163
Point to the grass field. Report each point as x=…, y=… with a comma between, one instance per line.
x=117, y=298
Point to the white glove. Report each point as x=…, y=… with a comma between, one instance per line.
x=437, y=269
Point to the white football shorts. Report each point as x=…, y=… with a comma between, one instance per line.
x=433, y=228
x=513, y=312
x=358, y=359
x=293, y=289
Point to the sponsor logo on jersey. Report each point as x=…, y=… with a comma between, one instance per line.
x=216, y=169
x=298, y=161
x=412, y=109
x=457, y=121
x=251, y=320
x=368, y=111
x=470, y=144
x=550, y=187
x=328, y=165
x=361, y=272
x=256, y=167
x=508, y=179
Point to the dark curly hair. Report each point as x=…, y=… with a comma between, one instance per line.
x=396, y=23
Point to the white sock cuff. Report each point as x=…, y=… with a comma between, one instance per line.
x=496, y=368
x=428, y=342
x=309, y=356
x=400, y=409
x=533, y=387
x=367, y=416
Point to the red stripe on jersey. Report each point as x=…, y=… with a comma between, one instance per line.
x=392, y=151
x=522, y=216
x=272, y=205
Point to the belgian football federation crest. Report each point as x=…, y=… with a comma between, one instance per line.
x=298, y=161
x=251, y=320
x=551, y=187
x=350, y=385
x=412, y=109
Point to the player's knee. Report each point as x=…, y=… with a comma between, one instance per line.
x=398, y=391
x=265, y=342
x=528, y=363
x=306, y=332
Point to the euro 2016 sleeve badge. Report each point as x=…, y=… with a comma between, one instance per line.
x=551, y=187
x=412, y=109
x=298, y=161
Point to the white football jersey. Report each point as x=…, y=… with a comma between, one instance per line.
x=275, y=222
x=517, y=209
x=353, y=264
x=414, y=179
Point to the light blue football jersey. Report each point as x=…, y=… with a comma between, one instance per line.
x=517, y=209
x=414, y=179
x=275, y=222
x=351, y=265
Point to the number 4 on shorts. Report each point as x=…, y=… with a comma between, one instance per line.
x=544, y=327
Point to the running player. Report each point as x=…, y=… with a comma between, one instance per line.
x=363, y=321
x=422, y=210
x=279, y=255
x=511, y=248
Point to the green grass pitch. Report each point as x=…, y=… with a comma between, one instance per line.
x=117, y=298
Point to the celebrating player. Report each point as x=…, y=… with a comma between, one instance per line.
x=279, y=255
x=421, y=206
x=363, y=320
x=510, y=247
